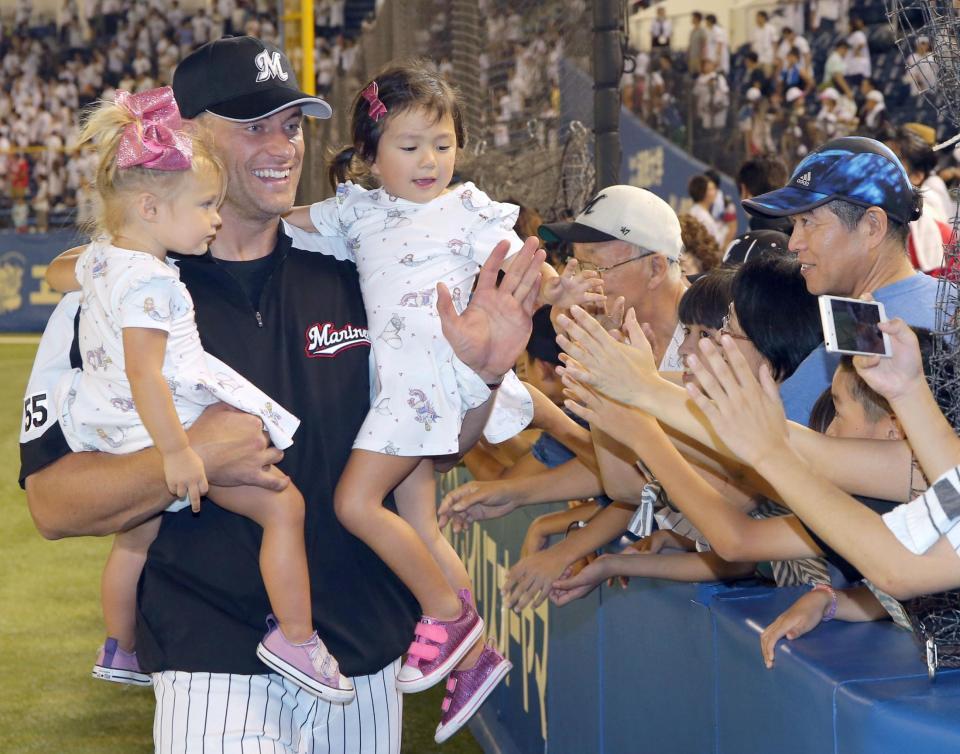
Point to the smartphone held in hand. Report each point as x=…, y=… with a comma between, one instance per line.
x=850, y=326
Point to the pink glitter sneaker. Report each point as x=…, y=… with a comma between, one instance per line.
x=468, y=689
x=113, y=664
x=439, y=646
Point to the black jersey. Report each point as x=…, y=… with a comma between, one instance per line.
x=201, y=599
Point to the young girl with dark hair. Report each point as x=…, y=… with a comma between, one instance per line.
x=418, y=246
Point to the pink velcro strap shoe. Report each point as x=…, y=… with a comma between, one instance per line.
x=438, y=647
x=468, y=689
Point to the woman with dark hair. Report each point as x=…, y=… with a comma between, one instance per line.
x=774, y=315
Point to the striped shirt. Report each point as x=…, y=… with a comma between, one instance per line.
x=936, y=513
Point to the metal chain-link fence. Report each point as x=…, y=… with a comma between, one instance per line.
x=508, y=61
x=926, y=34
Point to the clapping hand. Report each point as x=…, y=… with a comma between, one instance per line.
x=593, y=357
x=574, y=286
x=746, y=414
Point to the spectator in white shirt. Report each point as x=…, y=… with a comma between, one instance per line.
x=703, y=192
x=201, y=26
x=858, y=59
x=828, y=13
x=835, y=70
x=763, y=40
x=827, y=116
x=661, y=30
x=718, y=45
x=141, y=64
x=873, y=115
x=789, y=39
x=712, y=97
x=337, y=15
x=922, y=70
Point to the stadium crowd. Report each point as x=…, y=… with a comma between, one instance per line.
x=785, y=90
x=52, y=68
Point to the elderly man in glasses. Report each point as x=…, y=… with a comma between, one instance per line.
x=632, y=238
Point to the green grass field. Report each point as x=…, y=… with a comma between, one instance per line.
x=50, y=629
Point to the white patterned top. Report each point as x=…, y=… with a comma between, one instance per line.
x=403, y=249
x=122, y=289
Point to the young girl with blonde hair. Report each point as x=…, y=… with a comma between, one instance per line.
x=146, y=378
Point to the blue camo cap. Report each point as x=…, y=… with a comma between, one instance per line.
x=855, y=169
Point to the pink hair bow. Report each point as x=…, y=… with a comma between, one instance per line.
x=154, y=140
x=377, y=108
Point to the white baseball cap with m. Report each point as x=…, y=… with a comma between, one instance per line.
x=623, y=213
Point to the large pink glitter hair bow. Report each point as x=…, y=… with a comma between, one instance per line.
x=154, y=140
x=377, y=108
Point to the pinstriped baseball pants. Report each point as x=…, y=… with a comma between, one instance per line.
x=219, y=713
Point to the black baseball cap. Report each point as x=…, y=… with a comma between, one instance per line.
x=240, y=79
x=754, y=243
x=855, y=169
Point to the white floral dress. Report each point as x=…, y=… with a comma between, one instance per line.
x=122, y=288
x=402, y=249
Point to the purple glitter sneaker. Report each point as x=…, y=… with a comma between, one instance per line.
x=309, y=665
x=439, y=646
x=113, y=664
x=468, y=689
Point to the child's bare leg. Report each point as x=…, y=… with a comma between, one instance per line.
x=358, y=501
x=118, y=585
x=416, y=498
x=283, y=553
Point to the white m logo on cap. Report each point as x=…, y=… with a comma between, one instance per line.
x=270, y=66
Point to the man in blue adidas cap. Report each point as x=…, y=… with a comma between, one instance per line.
x=851, y=202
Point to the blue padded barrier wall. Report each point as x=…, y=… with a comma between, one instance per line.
x=653, y=634
x=906, y=714
x=25, y=299
x=671, y=668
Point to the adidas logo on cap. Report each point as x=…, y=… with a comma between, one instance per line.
x=804, y=180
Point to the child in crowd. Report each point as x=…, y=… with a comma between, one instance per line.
x=146, y=378
x=418, y=246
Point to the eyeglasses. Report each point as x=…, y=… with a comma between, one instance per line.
x=725, y=326
x=591, y=267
